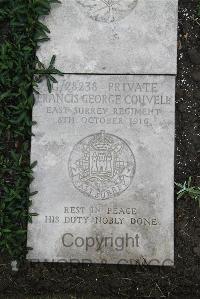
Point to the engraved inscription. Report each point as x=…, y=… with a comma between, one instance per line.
x=102, y=166
x=92, y=102
x=107, y=11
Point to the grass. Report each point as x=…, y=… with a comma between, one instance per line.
x=198, y=8
x=188, y=190
x=20, y=73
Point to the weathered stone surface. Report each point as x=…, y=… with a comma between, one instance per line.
x=105, y=151
x=104, y=36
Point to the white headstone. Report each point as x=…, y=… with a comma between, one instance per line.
x=105, y=142
x=107, y=36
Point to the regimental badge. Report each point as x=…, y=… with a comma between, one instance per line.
x=107, y=11
x=102, y=166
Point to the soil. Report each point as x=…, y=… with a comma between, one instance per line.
x=112, y=281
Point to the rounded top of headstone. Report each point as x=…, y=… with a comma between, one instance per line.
x=107, y=11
